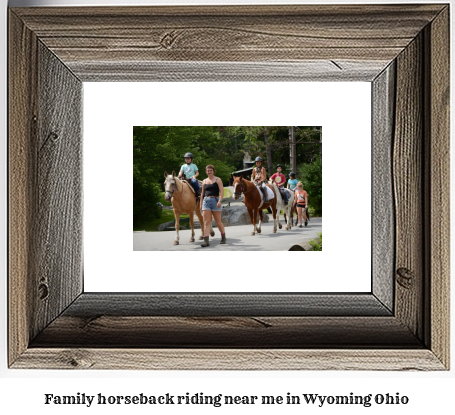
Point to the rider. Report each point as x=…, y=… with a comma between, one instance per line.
x=259, y=177
x=280, y=179
x=190, y=171
x=292, y=182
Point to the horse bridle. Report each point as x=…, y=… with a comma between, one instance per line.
x=241, y=189
x=175, y=187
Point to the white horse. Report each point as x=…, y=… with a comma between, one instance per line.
x=183, y=200
x=281, y=205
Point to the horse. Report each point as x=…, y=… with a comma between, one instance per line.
x=287, y=209
x=183, y=200
x=291, y=216
x=252, y=200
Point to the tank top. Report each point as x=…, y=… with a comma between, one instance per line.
x=212, y=189
x=300, y=195
x=257, y=170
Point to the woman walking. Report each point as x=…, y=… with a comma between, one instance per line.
x=211, y=197
x=301, y=201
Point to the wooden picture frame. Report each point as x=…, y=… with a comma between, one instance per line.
x=402, y=324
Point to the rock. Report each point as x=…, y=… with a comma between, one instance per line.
x=238, y=215
x=197, y=225
x=165, y=225
x=303, y=246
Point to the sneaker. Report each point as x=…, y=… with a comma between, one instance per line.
x=300, y=226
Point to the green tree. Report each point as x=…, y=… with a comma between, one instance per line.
x=311, y=177
x=161, y=149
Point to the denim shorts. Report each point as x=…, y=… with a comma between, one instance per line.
x=209, y=203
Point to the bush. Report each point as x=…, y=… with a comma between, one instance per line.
x=311, y=177
x=316, y=244
x=145, y=201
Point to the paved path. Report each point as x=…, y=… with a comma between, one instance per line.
x=238, y=238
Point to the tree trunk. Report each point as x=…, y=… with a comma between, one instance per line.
x=320, y=144
x=292, y=148
x=268, y=152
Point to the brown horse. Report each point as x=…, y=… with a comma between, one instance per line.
x=253, y=201
x=183, y=201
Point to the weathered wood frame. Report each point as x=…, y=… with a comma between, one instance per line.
x=403, y=324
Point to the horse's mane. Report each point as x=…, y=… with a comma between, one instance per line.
x=183, y=182
x=246, y=180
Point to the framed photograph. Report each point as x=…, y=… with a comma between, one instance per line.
x=401, y=324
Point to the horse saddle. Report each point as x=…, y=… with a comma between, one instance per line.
x=196, y=195
x=270, y=194
x=188, y=182
x=282, y=191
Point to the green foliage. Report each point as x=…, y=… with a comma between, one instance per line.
x=161, y=149
x=151, y=225
x=316, y=244
x=146, y=195
x=252, y=140
x=311, y=176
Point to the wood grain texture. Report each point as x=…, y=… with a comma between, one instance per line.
x=308, y=71
x=234, y=359
x=256, y=332
x=45, y=186
x=90, y=305
x=400, y=326
x=383, y=214
x=58, y=207
x=22, y=94
x=226, y=34
x=408, y=187
x=439, y=191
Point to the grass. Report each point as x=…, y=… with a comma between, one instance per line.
x=166, y=216
x=227, y=193
x=163, y=201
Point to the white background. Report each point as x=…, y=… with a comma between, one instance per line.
x=111, y=109
x=23, y=391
